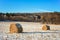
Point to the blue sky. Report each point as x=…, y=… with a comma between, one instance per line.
x=29, y=5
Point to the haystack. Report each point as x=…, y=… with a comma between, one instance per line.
x=45, y=27
x=16, y=28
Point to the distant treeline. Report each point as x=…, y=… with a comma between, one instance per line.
x=45, y=17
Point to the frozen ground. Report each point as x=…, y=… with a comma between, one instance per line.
x=32, y=31
x=31, y=36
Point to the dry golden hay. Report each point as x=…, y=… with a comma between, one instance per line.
x=15, y=28
x=45, y=27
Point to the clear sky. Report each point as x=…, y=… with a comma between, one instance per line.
x=29, y=5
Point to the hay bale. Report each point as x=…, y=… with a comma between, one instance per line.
x=45, y=27
x=16, y=28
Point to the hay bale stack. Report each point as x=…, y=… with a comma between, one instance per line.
x=16, y=28
x=45, y=27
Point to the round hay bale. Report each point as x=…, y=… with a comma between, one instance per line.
x=16, y=28
x=46, y=27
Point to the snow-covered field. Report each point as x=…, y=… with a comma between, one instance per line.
x=32, y=31
x=30, y=36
